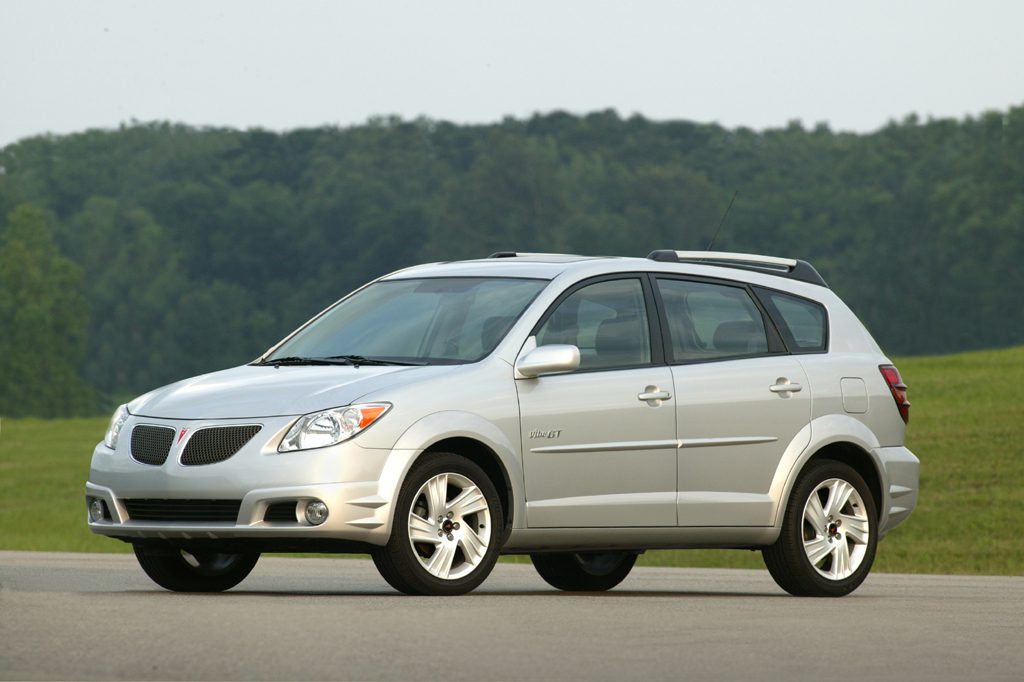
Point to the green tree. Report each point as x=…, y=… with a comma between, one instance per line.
x=134, y=279
x=201, y=247
x=43, y=319
x=511, y=198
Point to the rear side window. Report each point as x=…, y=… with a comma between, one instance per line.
x=802, y=323
x=711, y=321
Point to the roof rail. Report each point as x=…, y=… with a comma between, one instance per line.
x=771, y=265
x=514, y=254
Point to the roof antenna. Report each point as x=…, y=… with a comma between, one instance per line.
x=724, y=215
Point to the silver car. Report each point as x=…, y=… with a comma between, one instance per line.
x=580, y=410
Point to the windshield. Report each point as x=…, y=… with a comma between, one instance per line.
x=435, y=320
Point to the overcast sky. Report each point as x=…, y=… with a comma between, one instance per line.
x=67, y=66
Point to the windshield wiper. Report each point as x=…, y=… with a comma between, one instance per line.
x=353, y=360
x=277, y=362
x=357, y=360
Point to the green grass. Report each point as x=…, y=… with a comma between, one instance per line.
x=966, y=426
x=43, y=468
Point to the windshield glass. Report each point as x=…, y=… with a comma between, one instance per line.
x=439, y=320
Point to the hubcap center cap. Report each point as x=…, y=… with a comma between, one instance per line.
x=447, y=526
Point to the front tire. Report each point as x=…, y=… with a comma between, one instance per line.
x=829, y=533
x=447, y=529
x=181, y=571
x=583, y=571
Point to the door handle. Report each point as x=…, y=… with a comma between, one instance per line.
x=653, y=394
x=783, y=385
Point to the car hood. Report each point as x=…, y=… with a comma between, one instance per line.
x=253, y=391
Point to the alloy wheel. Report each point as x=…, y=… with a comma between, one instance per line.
x=449, y=526
x=836, y=529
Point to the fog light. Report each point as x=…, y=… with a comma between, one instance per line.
x=316, y=512
x=97, y=510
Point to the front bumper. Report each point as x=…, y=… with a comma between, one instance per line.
x=353, y=481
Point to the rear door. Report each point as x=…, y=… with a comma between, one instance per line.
x=740, y=400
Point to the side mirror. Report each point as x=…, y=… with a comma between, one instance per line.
x=548, y=360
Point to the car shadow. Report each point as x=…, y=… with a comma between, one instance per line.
x=481, y=594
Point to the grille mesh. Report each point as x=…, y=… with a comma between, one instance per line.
x=150, y=444
x=182, y=510
x=216, y=444
x=281, y=512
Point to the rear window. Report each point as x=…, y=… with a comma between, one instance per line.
x=802, y=323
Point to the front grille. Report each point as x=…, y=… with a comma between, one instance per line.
x=281, y=512
x=150, y=444
x=216, y=444
x=182, y=510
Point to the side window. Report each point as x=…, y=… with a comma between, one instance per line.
x=802, y=323
x=607, y=321
x=711, y=321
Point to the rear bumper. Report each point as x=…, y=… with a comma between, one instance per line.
x=902, y=475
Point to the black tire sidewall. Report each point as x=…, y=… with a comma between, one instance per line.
x=167, y=568
x=807, y=580
x=397, y=561
x=565, y=570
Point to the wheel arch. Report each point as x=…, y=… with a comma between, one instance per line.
x=488, y=460
x=466, y=434
x=857, y=459
x=840, y=438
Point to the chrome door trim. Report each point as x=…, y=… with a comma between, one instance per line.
x=656, y=444
x=715, y=442
x=606, y=447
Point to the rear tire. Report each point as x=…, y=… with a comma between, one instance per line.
x=447, y=529
x=583, y=571
x=180, y=571
x=829, y=533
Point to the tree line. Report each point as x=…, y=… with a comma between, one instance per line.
x=134, y=257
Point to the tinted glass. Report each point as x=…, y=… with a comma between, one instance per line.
x=804, y=323
x=607, y=321
x=438, y=319
x=711, y=321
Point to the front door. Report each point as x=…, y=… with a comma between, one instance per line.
x=599, y=444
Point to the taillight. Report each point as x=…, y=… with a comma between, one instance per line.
x=899, y=390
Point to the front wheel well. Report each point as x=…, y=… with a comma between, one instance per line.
x=487, y=460
x=860, y=461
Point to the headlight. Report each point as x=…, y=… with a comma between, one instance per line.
x=330, y=427
x=121, y=415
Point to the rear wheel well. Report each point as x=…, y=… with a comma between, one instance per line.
x=487, y=460
x=860, y=461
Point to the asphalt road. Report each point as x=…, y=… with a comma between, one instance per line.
x=87, y=616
